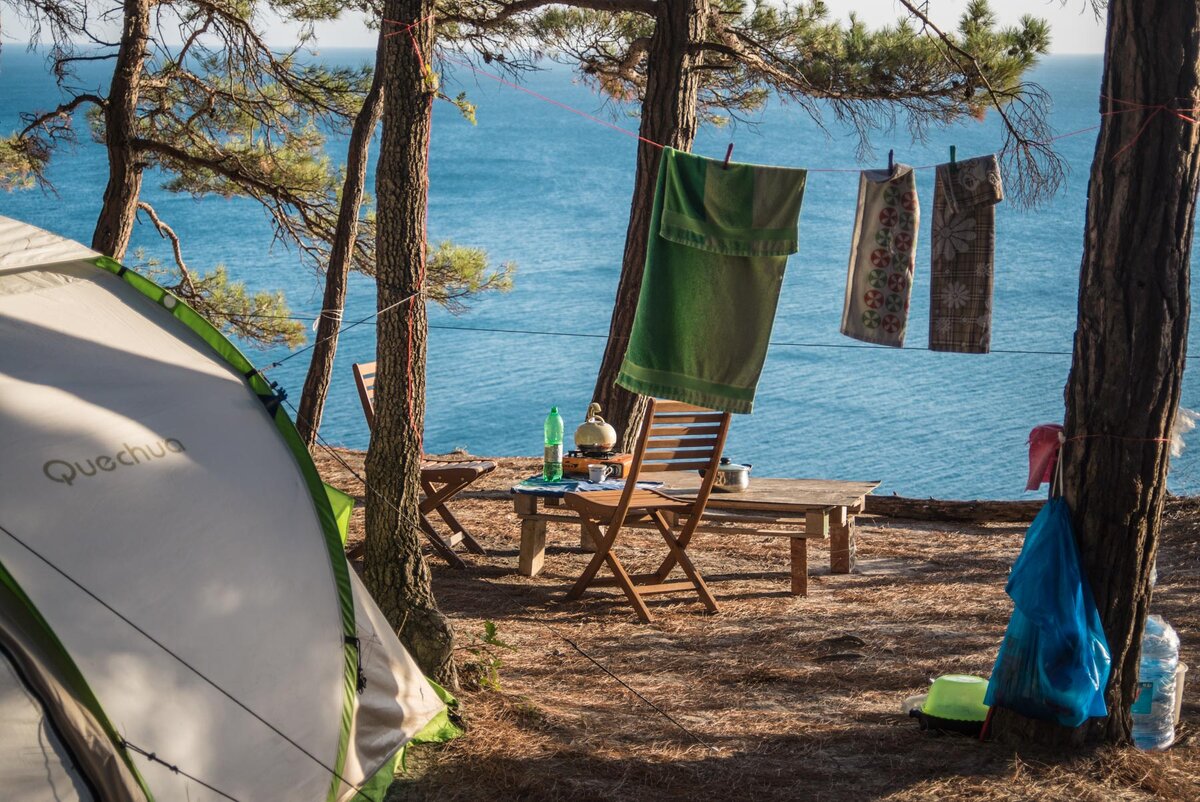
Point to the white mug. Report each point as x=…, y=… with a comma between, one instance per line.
x=598, y=473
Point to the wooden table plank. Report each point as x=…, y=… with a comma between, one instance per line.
x=778, y=494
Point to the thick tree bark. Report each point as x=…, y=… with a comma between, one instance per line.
x=668, y=118
x=337, y=273
x=1132, y=330
x=394, y=568
x=119, y=210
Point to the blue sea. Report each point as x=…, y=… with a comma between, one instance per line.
x=550, y=191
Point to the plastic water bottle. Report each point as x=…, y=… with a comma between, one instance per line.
x=1154, y=709
x=553, y=462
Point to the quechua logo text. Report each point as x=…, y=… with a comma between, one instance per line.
x=68, y=472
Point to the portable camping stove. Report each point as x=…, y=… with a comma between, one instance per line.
x=576, y=463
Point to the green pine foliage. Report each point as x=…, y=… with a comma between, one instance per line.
x=456, y=273
x=262, y=318
x=222, y=114
x=21, y=161
x=869, y=76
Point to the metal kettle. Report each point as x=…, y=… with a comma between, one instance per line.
x=732, y=477
x=595, y=435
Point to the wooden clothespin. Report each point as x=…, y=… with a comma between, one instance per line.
x=953, y=159
x=891, y=163
x=728, y=153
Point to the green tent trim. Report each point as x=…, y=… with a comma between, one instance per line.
x=440, y=728
x=68, y=671
x=342, y=505
x=376, y=788
x=330, y=524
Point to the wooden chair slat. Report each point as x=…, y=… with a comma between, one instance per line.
x=668, y=454
x=659, y=467
x=672, y=430
x=681, y=442
x=689, y=417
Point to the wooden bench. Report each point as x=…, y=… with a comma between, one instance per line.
x=806, y=509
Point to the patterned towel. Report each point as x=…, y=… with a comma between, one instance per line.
x=962, y=259
x=879, y=281
x=719, y=242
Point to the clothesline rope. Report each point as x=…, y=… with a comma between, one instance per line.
x=1108, y=436
x=1132, y=106
x=552, y=101
x=595, y=336
x=346, y=327
x=405, y=27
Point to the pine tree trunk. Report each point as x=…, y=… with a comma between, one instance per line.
x=337, y=273
x=668, y=118
x=119, y=210
x=395, y=570
x=1131, y=334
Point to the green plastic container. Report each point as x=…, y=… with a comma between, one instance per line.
x=552, y=465
x=958, y=697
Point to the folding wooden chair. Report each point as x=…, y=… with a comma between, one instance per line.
x=675, y=437
x=441, y=480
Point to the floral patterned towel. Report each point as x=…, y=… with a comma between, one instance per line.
x=879, y=281
x=962, y=259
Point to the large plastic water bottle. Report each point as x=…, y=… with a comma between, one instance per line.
x=1154, y=709
x=552, y=465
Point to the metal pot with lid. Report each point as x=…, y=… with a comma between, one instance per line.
x=595, y=435
x=732, y=477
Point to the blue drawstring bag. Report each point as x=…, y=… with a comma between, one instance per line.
x=1054, y=661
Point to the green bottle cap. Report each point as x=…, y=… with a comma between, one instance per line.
x=553, y=410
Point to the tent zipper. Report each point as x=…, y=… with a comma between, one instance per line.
x=361, y=682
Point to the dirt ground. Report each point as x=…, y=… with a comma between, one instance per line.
x=775, y=697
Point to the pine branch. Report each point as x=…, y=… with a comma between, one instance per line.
x=1031, y=164
x=507, y=11
x=225, y=165
x=165, y=230
x=61, y=113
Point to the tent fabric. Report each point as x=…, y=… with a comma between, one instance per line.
x=50, y=675
x=142, y=461
x=23, y=245
x=34, y=762
x=385, y=664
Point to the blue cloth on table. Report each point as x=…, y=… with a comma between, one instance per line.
x=536, y=486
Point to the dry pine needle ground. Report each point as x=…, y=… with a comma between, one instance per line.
x=798, y=698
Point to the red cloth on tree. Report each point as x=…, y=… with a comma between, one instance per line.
x=1044, y=442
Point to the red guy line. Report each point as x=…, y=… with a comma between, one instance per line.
x=552, y=101
x=405, y=26
x=1132, y=105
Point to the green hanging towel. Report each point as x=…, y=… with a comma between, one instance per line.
x=719, y=241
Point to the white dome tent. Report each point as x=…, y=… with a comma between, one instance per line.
x=177, y=617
